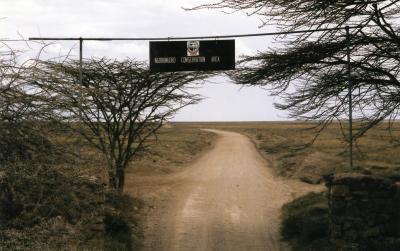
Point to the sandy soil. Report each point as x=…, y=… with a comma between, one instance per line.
x=227, y=200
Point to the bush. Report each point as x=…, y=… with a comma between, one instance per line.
x=118, y=232
x=33, y=194
x=305, y=221
x=19, y=142
x=121, y=202
x=45, y=204
x=121, y=227
x=42, y=207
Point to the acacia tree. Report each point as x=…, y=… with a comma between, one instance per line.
x=20, y=137
x=309, y=72
x=120, y=103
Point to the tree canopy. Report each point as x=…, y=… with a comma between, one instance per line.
x=116, y=108
x=309, y=72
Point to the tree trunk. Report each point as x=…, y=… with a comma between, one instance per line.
x=121, y=180
x=112, y=180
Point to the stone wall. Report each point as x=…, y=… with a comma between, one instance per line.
x=364, y=212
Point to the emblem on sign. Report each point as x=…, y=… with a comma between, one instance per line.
x=193, y=48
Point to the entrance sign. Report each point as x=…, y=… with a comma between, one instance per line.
x=204, y=55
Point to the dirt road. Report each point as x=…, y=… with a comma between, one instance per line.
x=227, y=200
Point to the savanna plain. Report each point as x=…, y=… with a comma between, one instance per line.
x=198, y=186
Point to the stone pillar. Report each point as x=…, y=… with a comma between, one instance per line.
x=363, y=209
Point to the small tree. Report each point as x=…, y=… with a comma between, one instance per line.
x=20, y=137
x=120, y=104
x=309, y=71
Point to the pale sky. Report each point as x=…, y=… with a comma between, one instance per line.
x=147, y=18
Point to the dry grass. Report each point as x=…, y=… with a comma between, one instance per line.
x=174, y=148
x=283, y=144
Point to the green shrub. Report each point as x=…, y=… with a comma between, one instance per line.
x=305, y=220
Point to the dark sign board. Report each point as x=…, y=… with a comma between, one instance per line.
x=203, y=55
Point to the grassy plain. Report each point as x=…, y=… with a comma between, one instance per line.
x=282, y=143
x=172, y=150
x=169, y=151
